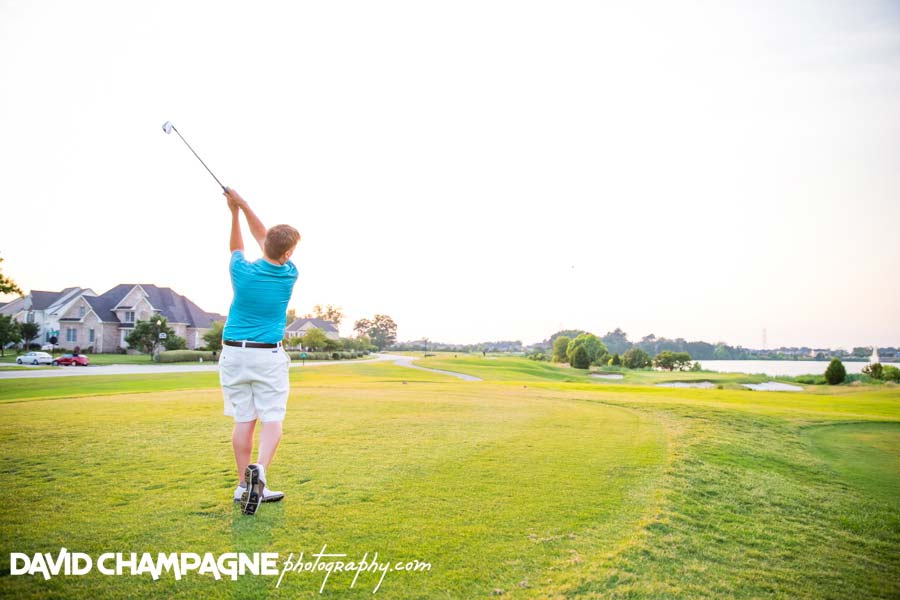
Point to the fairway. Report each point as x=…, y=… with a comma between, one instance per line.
x=534, y=483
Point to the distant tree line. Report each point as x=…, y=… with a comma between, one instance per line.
x=425, y=345
x=617, y=342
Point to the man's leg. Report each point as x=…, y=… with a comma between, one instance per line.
x=269, y=436
x=242, y=443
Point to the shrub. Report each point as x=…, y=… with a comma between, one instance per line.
x=172, y=356
x=635, y=358
x=580, y=359
x=891, y=373
x=615, y=361
x=670, y=361
x=695, y=367
x=174, y=342
x=560, y=345
x=835, y=373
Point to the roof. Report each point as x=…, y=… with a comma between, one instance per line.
x=322, y=324
x=170, y=304
x=40, y=300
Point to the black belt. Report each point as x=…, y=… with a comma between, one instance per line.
x=250, y=344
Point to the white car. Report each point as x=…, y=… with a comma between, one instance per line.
x=35, y=358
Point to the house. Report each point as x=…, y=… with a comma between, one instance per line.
x=103, y=322
x=44, y=308
x=299, y=327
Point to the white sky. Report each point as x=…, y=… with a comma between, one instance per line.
x=477, y=170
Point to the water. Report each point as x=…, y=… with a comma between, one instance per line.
x=776, y=367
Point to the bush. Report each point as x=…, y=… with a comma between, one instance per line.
x=580, y=359
x=891, y=373
x=874, y=370
x=635, y=358
x=670, y=361
x=174, y=342
x=835, y=373
x=172, y=356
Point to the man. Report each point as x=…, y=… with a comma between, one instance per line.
x=253, y=367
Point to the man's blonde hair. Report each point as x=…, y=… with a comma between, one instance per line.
x=280, y=239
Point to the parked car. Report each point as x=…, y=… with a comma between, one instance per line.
x=35, y=358
x=71, y=360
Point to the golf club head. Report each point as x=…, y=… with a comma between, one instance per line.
x=167, y=126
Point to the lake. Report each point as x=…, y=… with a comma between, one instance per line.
x=776, y=367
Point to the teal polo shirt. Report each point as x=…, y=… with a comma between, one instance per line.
x=261, y=295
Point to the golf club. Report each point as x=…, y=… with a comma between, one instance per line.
x=169, y=128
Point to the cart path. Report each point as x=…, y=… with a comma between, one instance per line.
x=27, y=373
x=407, y=361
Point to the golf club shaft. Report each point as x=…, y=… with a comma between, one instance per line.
x=198, y=158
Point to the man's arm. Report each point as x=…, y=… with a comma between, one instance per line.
x=257, y=229
x=237, y=240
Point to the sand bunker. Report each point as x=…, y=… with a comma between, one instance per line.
x=773, y=386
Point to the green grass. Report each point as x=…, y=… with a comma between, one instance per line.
x=537, y=482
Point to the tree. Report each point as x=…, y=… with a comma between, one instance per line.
x=721, y=352
x=569, y=333
x=580, y=358
x=615, y=361
x=290, y=316
x=835, y=373
x=382, y=330
x=670, y=361
x=29, y=331
x=560, y=345
x=362, y=327
x=595, y=349
x=635, y=358
x=7, y=285
x=145, y=335
x=213, y=337
x=329, y=313
x=9, y=332
x=314, y=339
x=616, y=341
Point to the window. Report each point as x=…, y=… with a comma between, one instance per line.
x=71, y=334
x=81, y=311
x=129, y=316
x=91, y=335
x=30, y=317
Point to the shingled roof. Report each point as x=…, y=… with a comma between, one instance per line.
x=170, y=304
x=322, y=324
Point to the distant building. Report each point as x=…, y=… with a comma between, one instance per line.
x=298, y=328
x=44, y=308
x=104, y=321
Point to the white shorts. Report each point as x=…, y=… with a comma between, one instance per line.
x=254, y=382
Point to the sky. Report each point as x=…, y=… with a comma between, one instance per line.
x=476, y=170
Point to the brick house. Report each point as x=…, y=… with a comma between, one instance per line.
x=103, y=321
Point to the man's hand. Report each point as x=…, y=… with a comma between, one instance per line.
x=235, y=202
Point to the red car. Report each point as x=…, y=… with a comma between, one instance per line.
x=73, y=360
